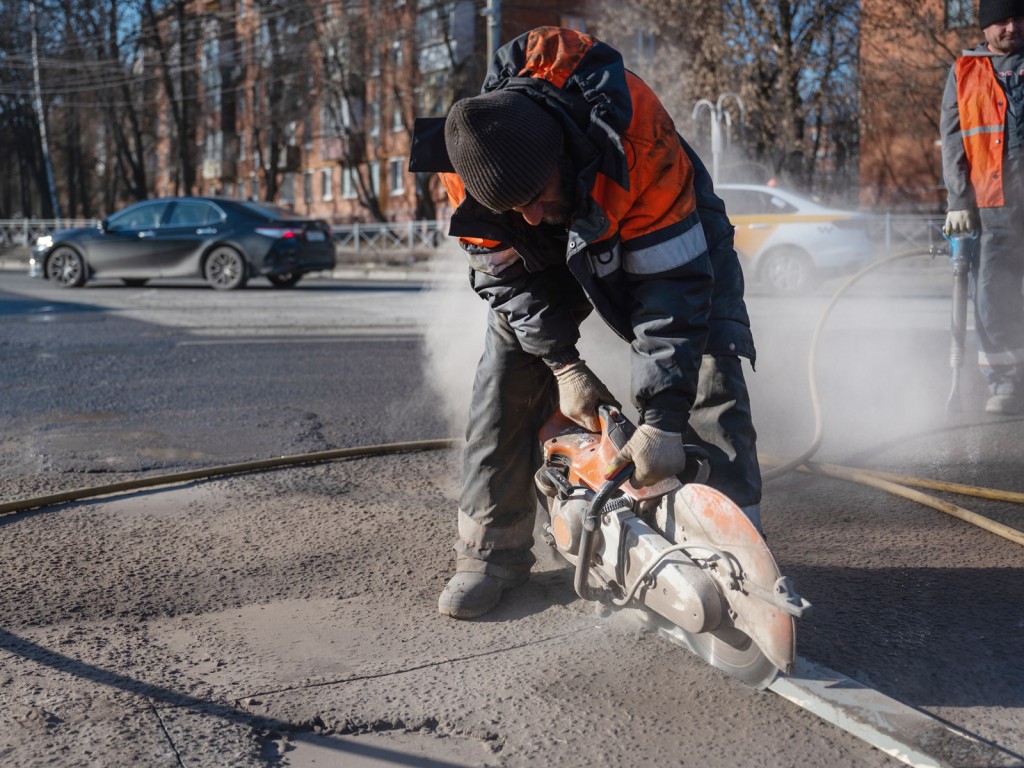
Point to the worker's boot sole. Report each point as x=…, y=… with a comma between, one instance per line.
x=470, y=595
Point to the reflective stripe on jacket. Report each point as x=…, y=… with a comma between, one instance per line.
x=982, y=105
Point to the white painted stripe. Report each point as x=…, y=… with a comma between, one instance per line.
x=908, y=734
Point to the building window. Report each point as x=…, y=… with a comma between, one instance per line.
x=254, y=188
x=397, y=121
x=396, y=175
x=307, y=187
x=348, y=184
x=375, y=119
x=374, y=171
x=288, y=188
x=326, y=184
x=959, y=14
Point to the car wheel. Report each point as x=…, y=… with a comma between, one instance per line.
x=134, y=282
x=285, y=280
x=788, y=270
x=224, y=269
x=66, y=268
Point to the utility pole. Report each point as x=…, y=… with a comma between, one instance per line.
x=493, y=13
x=40, y=115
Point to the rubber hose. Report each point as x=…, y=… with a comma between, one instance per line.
x=812, y=364
x=869, y=478
x=23, y=505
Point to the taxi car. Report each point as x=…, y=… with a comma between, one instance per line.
x=790, y=243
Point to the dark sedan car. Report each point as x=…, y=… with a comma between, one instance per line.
x=222, y=241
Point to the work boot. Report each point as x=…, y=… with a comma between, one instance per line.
x=469, y=595
x=1004, y=404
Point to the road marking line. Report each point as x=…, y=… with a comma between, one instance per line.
x=908, y=734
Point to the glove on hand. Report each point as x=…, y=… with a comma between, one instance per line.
x=579, y=392
x=656, y=455
x=958, y=223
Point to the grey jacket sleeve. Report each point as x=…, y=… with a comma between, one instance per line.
x=534, y=303
x=955, y=171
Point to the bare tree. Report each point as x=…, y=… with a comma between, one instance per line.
x=347, y=61
x=169, y=38
x=282, y=73
x=22, y=177
x=908, y=47
x=793, y=65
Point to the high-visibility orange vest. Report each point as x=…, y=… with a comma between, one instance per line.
x=982, y=103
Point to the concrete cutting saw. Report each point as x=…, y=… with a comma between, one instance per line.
x=682, y=553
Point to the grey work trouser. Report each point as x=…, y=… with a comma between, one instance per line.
x=513, y=395
x=997, y=274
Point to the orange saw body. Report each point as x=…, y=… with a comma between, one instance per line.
x=683, y=553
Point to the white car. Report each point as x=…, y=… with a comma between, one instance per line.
x=790, y=243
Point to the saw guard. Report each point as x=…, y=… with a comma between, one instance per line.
x=700, y=515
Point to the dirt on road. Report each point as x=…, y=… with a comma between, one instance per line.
x=289, y=618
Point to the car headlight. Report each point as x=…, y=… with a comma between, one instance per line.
x=45, y=241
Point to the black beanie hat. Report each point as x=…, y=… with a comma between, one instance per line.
x=991, y=11
x=504, y=146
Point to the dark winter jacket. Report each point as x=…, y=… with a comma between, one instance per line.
x=649, y=242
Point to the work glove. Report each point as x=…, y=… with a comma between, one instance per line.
x=656, y=455
x=958, y=223
x=580, y=392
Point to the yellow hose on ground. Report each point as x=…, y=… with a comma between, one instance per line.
x=895, y=484
x=24, y=505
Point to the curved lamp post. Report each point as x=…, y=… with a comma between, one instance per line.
x=717, y=114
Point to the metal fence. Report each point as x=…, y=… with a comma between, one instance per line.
x=23, y=232
x=389, y=237
x=890, y=232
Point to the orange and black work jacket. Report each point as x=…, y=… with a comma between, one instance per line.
x=976, y=123
x=649, y=240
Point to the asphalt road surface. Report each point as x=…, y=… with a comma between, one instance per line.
x=289, y=617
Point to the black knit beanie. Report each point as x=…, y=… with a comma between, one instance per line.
x=991, y=11
x=504, y=146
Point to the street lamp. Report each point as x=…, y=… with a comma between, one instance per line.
x=717, y=115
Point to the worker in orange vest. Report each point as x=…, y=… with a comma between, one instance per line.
x=982, y=126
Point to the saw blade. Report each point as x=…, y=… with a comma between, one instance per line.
x=732, y=651
x=728, y=649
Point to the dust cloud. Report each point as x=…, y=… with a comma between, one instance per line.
x=881, y=370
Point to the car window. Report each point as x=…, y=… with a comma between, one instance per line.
x=144, y=216
x=192, y=213
x=744, y=202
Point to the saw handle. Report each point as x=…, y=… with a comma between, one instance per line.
x=590, y=523
x=617, y=430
